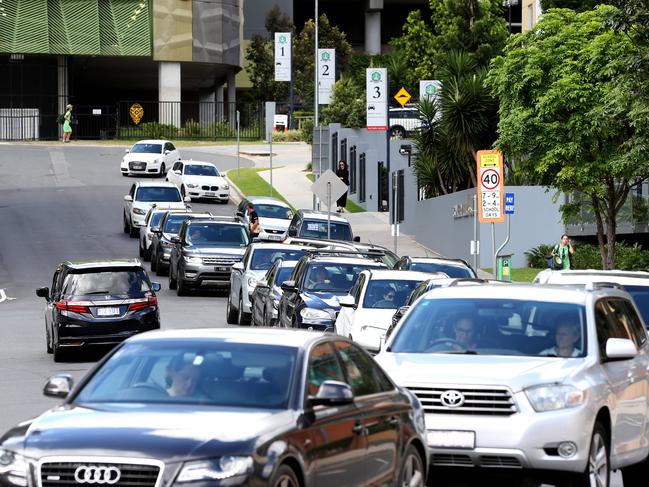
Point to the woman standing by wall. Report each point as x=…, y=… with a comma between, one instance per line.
x=343, y=173
x=67, y=128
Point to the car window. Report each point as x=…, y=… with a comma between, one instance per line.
x=388, y=294
x=147, y=149
x=153, y=194
x=361, y=373
x=456, y=271
x=195, y=371
x=177, y=166
x=641, y=298
x=273, y=211
x=155, y=218
x=171, y=146
x=332, y=277
x=132, y=191
x=620, y=311
x=216, y=235
x=357, y=288
x=608, y=325
x=323, y=365
x=118, y=282
x=262, y=258
x=54, y=287
x=200, y=170
x=173, y=223
x=318, y=229
x=283, y=274
x=637, y=329
x=492, y=327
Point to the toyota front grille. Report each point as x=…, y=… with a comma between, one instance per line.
x=98, y=474
x=494, y=401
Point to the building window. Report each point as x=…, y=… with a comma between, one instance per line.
x=400, y=196
x=343, y=151
x=361, y=192
x=530, y=16
x=334, y=152
x=352, y=169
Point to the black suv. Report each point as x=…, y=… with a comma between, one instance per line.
x=98, y=303
x=204, y=252
x=320, y=278
x=458, y=268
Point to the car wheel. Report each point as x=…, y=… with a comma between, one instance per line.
x=241, y=316
x=146, y=254
x=397, y=132
x=125, y=223
x=133, y=231
x=163, y=170
x=181, y=285
x=58, y=353
x=230, y=313
x=412, y=472
x=284, y=476
x=182, y=191
x=598, y=469
x=48, y=343
x=172, y=281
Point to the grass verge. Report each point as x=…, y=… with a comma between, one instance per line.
x=252, y=184
x=520, y=274
x=350, y=207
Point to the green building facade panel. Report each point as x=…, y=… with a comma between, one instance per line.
x=84, y=27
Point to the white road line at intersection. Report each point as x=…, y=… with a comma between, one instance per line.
x=4, y=297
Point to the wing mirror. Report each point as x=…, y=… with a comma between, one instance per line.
x=238, y=266
x=127, y=150
x=187, y=199
x=288, y=286
x=58, y=385
x=43, y=292
x=357, y=239
x=128, y=197
x=175, y=239
x=156, y=286
x=155, y=229
x=333, y=393
x=177, y=172
x=167, y=152
x=347, y=302
x=620, y=349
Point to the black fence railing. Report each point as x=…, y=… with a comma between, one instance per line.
x=174, y=120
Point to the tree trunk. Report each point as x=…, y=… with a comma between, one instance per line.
x=441, y=182
x=611, y=224
x=600, y=229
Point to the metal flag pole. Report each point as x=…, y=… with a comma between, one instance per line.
x=238, y=146
x=328, y=210
x=395, y=198
x=476, y=245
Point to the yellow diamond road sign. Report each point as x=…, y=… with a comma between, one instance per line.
x=402, y=96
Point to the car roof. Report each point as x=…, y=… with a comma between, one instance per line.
x=332, y=259
x=401, y=275
x=276, y=246
x=266, y=200
x=197, y=163
x=637, y=278
x=152, y=141
x=295, y=338
x=213, y=219
x=156, y=184
x=439, y=260
x=320, y=215
x=103, y=263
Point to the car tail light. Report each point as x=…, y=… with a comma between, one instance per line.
x=143, y=303
x=72, y=306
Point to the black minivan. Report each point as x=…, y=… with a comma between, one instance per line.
x=101, y=302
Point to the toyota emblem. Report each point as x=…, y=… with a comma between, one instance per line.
x=96, y=474
x=452, y=398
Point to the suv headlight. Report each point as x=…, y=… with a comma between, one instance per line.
x=139, y=211
x=190, y=259
x=314, y=314
x=219, y=469
x=13, y=468
x=553, y=397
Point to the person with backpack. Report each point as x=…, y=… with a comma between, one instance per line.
x=562, y=253
x=67, y=128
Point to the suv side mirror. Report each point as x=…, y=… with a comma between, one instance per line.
x=347, y=301
x=58, y=385
x=167, y=152
x=333, y=393
x=237, y=266
x=128, y=197
x=155, y=229
x=289, y=286
x=156, y=286
x=43, y=292
x=177, y=172
x=175, y=239
x=620, y=349
x=187, y=199
x=357, y=239
x=127, y=150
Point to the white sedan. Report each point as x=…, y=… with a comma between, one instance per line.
x=199, y=180
x=149, y=157
x=366, y=313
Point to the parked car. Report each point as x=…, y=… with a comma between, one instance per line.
x=268, y=292
x=366, y=312
x=313, y=224
x=274, y=216
x=141, y=197
x=451, y=267
x=168, y=228
x=552, y=380
x=199, y=180
x=151, y=220
x=636, y=283
x=310, y=298
x=99, y=302
x=224, y=406
x=149, y=157
x=259, y=257
x=205, y=251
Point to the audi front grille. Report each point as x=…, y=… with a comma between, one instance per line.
x=475, y=400
x=98, y=474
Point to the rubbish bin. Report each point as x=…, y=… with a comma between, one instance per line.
x=504, y=267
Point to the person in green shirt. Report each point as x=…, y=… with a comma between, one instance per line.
x=564, y=250
x=67, y=128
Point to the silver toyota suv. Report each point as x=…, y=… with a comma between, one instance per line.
x=541, y=378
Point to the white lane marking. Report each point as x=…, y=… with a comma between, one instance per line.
x=4, y=297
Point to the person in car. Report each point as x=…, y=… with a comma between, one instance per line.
x=566, y=337
x=196, y=236
x=465, y=333
x=182, y=377
x=387, y=301
x=318, y=280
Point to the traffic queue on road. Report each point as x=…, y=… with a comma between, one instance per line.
x=351, y=365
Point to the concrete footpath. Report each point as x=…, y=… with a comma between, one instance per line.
x=289, y=178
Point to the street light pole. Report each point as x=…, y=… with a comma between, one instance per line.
x=316, y=121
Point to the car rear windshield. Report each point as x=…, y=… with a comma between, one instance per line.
x=332, y=277
x=207, y=372
x=449, y=270
x=273, y=211
x=195, y=170
x=318, y=229
x=150, y=194
x=283, y=274
x=173, y=223
x=216, y=235
x=146, y=149
x=118, y=282
x=262, y=259
x=388, y=294
x=155, y=218
x=493, y=327
x=641, y=297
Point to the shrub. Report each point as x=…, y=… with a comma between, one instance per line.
x=192, y=129
x=307, y=131
x=155, y=130
x=627, y=257
x=536, y=257
x=309, y=167
x=288, y=136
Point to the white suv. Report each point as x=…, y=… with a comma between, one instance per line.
x=545, y=378
x=404, y=121
x=142, y=196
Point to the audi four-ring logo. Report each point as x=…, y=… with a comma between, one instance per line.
x=452, y=398
x=95, y=474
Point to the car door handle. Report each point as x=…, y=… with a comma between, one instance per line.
x=358, y=429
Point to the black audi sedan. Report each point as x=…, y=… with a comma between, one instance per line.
x=98, y=303
x=228, y=406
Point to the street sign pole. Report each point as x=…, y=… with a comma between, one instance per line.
x=395, y=218
x=476, y=244
x=328, y=211
x=509, y=227
x=493, y=246
x=271, y=162
x=238, y=145
x=316, y=121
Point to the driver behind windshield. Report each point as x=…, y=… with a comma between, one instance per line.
x=465, y=333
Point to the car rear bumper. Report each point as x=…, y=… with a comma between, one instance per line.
x=75, y=332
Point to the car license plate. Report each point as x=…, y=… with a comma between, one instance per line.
x=274, y=237
x=221, y=269
x=210, y=193
x=451, y=439
x=107, y=311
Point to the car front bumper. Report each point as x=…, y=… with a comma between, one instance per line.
x=201, y=275
x=141, y=167
x=220, y=194
x=369, y=337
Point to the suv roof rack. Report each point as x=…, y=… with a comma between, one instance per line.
x=217, y=218
x=475, y=280
x=334, y=252
x=594, y=286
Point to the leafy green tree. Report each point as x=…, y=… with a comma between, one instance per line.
x=476, y=27
x=566, y=114
x=347, y=105
x=576, y=5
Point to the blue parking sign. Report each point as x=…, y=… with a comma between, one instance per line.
x=509, y=203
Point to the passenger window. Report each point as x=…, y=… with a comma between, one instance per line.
x=636, y=328
x=323, y=365
x=171, y=146
x=608, y=325
x=132, y=191
x=362, y=375
x=358, y=289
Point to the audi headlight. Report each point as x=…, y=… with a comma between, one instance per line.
x=190, y=259
x=139, y=211
x=219, y=469
x=13, y=468
x=553, y=397
x=191, y=185
x=314, y=314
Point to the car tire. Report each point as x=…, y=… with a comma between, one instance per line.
x=146, y=255
x=412, y=472
x=58, y=353
x=125, y=224
x=183, y=193
x=635, y=475
x=163, y=170
x=48, y=343
x=230, y=312
x=284, y=476
x=398, y=132
x=181, y=285
x=139, y=248
x=597, y=468
x=172, y=282
x=241, y=315
x=133, y=231
x=154, y=262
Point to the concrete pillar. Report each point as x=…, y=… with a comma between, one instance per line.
x=232, y=98
x=206, y=107
x=219, y=90
x=62, y=88
x=169, y=93
x=373, y=27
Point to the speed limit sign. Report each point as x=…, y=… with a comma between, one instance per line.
x=490, y=186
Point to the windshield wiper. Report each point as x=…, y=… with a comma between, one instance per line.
x=99, y=292
x=464, y=352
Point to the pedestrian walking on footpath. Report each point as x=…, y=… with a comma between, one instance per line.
x=562, y=253
x=67, y=128
x=253, y=220
x=343, y=173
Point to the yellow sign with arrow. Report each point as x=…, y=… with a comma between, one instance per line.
x=402, y=96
